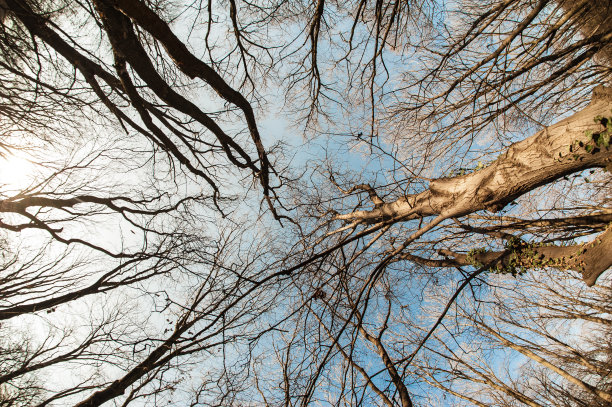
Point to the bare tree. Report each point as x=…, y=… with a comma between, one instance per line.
x=126, y=254
x=466, y=140
x=556, y=336
x=489, y=157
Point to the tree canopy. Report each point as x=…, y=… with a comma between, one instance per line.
x=305, y=203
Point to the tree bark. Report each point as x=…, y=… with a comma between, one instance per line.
x=591, y=259
x=556, y=151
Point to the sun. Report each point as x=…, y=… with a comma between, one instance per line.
x=16, y=173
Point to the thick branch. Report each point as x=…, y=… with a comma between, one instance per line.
x=193, y=67
x=591, y=259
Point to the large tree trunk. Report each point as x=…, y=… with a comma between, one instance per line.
x=561, y=149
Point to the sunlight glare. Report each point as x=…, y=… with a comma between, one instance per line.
x=15, y=172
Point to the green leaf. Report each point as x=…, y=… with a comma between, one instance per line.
x=589, y=148
x=605, y=140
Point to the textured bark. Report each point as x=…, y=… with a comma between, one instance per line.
x=550, y=154
x=591, y=259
